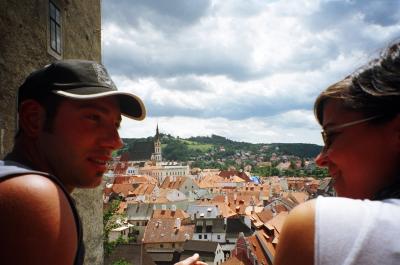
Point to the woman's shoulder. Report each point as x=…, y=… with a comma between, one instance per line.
x=296, y=241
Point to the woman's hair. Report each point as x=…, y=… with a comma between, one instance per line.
x=372, y=90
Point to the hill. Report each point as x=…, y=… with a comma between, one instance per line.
x=219, y=147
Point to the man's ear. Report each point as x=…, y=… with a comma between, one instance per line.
x=31, y=118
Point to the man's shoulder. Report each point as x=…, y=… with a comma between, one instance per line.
x=30, y=185
x=31, y=195
x=40, y=211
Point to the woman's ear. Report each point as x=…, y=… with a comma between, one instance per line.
x=396, y=124
x=31, y=118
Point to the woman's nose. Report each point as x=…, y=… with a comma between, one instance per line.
x=322, y=158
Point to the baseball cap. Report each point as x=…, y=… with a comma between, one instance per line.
x=79, y=79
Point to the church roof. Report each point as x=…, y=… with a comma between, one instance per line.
x=140, y=151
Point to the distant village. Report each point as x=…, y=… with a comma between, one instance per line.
x=160, y=212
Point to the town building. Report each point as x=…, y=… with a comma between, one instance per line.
x=209, y=252
x=164, y=237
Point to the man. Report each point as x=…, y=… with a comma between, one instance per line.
x=69, y=114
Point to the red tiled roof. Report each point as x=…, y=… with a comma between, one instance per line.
x=164, y=231
x=143, y=189
x=227, y=174
x=279, y=208
x=173, y=182
x=122, y=207
x=239, y=205
x=161, y=214
x=256, y=249
x=278, y=221
x=264, y=240
x=265, y=215
x=296, y=197
x=224, y=209
x=125, y=189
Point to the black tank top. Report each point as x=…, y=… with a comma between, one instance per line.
x=9, y=169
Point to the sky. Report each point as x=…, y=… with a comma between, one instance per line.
x=248, y=70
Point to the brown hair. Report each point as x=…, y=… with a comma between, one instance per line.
x=372, y=90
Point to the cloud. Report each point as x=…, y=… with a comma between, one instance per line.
x=229, y=62
x=253, y=130
x=331, y=13
x=166, y=15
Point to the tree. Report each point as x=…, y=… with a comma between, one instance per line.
x=275, y=171
x=110, y=218
x=176, y=150
x=121, y=262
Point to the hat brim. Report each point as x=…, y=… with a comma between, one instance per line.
x=130, y=105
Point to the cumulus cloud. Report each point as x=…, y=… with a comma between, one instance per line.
x=253, y=130
x=165, y=15
x=224, y=64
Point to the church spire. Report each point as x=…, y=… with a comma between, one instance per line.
x=157, y=134
x=157, y=147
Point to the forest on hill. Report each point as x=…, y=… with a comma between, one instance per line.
x=180, y=149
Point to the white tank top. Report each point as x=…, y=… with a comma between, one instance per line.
x=362, y=232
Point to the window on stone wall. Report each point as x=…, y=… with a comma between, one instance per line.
x=55, y=29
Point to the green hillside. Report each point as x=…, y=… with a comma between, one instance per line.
x=219, y=147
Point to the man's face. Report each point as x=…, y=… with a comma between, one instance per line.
x=83, y=136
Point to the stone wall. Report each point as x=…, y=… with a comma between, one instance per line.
x=24, y=47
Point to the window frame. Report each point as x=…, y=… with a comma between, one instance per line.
x=55, y=32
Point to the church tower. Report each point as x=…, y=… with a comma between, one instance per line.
x=157, y=147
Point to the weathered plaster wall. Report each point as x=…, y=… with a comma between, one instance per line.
x=23, y=48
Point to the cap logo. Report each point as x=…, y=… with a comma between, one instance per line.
x=102, y=75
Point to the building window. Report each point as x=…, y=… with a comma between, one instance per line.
x=161, y=246
x=218, y=237
x=55, y=28
x=205, y=236
x=199, y=236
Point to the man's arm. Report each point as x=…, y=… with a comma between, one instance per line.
x=296, y=242
x=37, y=224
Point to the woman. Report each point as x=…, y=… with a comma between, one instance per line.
x=361, y=132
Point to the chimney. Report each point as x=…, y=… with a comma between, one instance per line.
x=178, y=223
x=163, y=207
x=235, y=197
